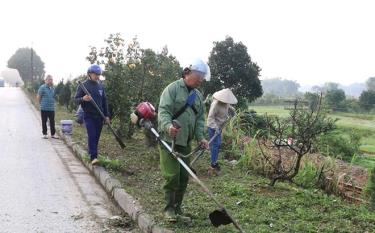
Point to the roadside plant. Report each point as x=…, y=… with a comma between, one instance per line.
x=132, y=75
x=335, y=144
x=370, y=189
x=290, y=138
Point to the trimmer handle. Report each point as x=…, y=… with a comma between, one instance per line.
x=176, y=124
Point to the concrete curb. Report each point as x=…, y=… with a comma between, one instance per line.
x=114, y=188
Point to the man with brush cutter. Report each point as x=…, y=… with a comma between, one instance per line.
x=176, y=132
x=181, y=101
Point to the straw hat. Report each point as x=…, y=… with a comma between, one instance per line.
x=225, y=96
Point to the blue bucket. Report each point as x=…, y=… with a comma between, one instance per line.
x=66, y=126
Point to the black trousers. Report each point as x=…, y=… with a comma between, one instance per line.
x=51, y=116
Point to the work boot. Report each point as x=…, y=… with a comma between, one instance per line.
x=216, y=166
x=169, y=215
x=215, y=169
x=178, y=208
x=169, y=211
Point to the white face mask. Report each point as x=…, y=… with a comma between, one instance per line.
x=94, y=77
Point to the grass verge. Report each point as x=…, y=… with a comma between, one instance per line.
x=256, y=206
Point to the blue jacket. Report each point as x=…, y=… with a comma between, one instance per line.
x=96, y=91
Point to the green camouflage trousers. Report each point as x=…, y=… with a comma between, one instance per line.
x=175, y=175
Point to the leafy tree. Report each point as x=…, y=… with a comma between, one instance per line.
x=59, y=88
x=330, y=86
x=269, y=99
x=35, y=84
x=22, y=60
x=65, y=94
x=312, y=99
x=335, y=99
x=352, y=105
x=133, y=75
x=118, y=87
x=367, y=100
x=73, y=87
x=158, y=70
x=231, y=67
x=317, y=88
x=280, y=87
x=370, y=83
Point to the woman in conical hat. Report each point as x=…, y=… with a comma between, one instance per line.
x=217, y=117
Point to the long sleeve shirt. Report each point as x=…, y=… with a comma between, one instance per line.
x=172, y=100
x=96, y=91
x=218, y=114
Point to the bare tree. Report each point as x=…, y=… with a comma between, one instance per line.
x=295, y=134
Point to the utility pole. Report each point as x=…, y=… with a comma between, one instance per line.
x=32, y=65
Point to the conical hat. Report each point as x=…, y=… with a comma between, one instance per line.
x=225, y=96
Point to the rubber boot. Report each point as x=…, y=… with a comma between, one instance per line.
x=169, y=211
x=214, y=169
x=178, y=208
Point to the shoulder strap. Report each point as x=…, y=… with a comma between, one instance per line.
x=189, y=103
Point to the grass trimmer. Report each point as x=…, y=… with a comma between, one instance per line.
x=218, y=217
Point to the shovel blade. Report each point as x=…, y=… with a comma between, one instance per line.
x=220, y=217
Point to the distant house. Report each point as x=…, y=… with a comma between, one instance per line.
x=12, y=77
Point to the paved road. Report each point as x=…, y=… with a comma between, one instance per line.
x=43, y=187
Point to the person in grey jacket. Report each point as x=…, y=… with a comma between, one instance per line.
x=217, y=116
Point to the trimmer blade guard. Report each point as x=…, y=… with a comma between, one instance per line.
x=220, y=217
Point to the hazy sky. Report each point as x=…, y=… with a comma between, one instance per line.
x=312, y=42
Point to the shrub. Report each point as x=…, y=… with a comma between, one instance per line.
x=252, y=159
x=367, y=100
x=370, y=189
x=65, y=95
x=241, y=128
x=337, y=145
x=33, y=87
x=252, y=123
x=308, y=175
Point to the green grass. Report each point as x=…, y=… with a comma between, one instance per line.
x=256, y=206
x=348, y=120
x=356, y=115
x=367, y=142
x=367, y=148
x=366, y=129
x=354, y=122
x=271, y=110
x=366, y=161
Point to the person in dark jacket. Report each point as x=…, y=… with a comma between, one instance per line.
x=92, y=118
